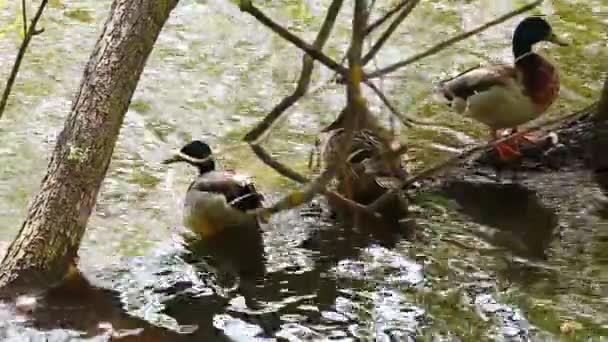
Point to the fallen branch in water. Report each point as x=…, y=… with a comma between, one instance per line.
x=28, y=33
x=290, y=173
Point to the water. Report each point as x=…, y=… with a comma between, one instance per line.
x=213, y=73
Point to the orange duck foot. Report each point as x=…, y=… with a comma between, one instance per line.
x=507, y=151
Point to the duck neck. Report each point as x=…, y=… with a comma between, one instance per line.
x=521, y=48
x=205, y=167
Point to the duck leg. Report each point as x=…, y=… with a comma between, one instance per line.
x=506, y=150
x=518, y=138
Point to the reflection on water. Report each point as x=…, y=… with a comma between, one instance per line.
x=522, y=222
x=218, y=289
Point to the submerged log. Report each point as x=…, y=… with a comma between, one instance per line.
x=46, y=247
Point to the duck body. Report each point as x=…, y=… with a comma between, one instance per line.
x=507, y=96
x=216, y=200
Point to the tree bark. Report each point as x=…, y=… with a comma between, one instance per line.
x=602, y=109
x=599, y=142
x=47, y=245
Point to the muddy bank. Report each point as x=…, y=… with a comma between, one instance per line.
x=552, y=196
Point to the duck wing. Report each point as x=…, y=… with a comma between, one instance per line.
x=477, y=80
x=239, y=190
x=368, y=160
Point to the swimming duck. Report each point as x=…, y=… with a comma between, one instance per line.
x=215, y=200
x=506, y=96
x=370, y=170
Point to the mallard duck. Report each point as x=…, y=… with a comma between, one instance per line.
x=506, y=96
x=370, y=169
x=216, y=200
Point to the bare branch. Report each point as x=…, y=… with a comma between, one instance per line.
x=435, y=49
x=389, y=31
x=357, y=106
x=24, y=17
x=304, y=81
x=247, y=6
x=281, y=168
x=29, y=33
x=385, y=17
x=292, y=200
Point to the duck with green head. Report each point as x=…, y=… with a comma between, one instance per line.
x=216, y=200
x=506, y=96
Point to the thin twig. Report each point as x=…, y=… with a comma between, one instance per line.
x=258, y=131
x=248, y=7
x=29, y=33
x=24, y=17
x=435, y=49
x=402, y=117
x=288, y=172
x=356, y=103
x=468, y=154
x=371, y=6
x=389, y=31
x=385, y=17
x=279, y=167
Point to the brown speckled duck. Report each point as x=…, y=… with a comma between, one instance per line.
x=370, y=171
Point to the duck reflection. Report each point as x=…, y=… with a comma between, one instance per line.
x=265, y=300
x=235, y=252
x=290, y=290
x=520, y=221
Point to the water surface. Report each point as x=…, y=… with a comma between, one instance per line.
x=213, y=73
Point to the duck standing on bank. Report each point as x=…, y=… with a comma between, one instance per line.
x=216, y=200
x=506, y=96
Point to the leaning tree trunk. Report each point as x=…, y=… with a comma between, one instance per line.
x=47, y=244
x=599, y=143
x=602, y=110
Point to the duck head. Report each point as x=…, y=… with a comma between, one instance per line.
x=195, y=153
x=532, y=30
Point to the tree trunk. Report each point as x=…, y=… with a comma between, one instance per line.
x=599, y=142
x=46, y=247
x=602, y=110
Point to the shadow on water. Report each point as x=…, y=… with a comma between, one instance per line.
x=521, y=222
x=245, y=301
x=91, y=311
x=280, y=300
